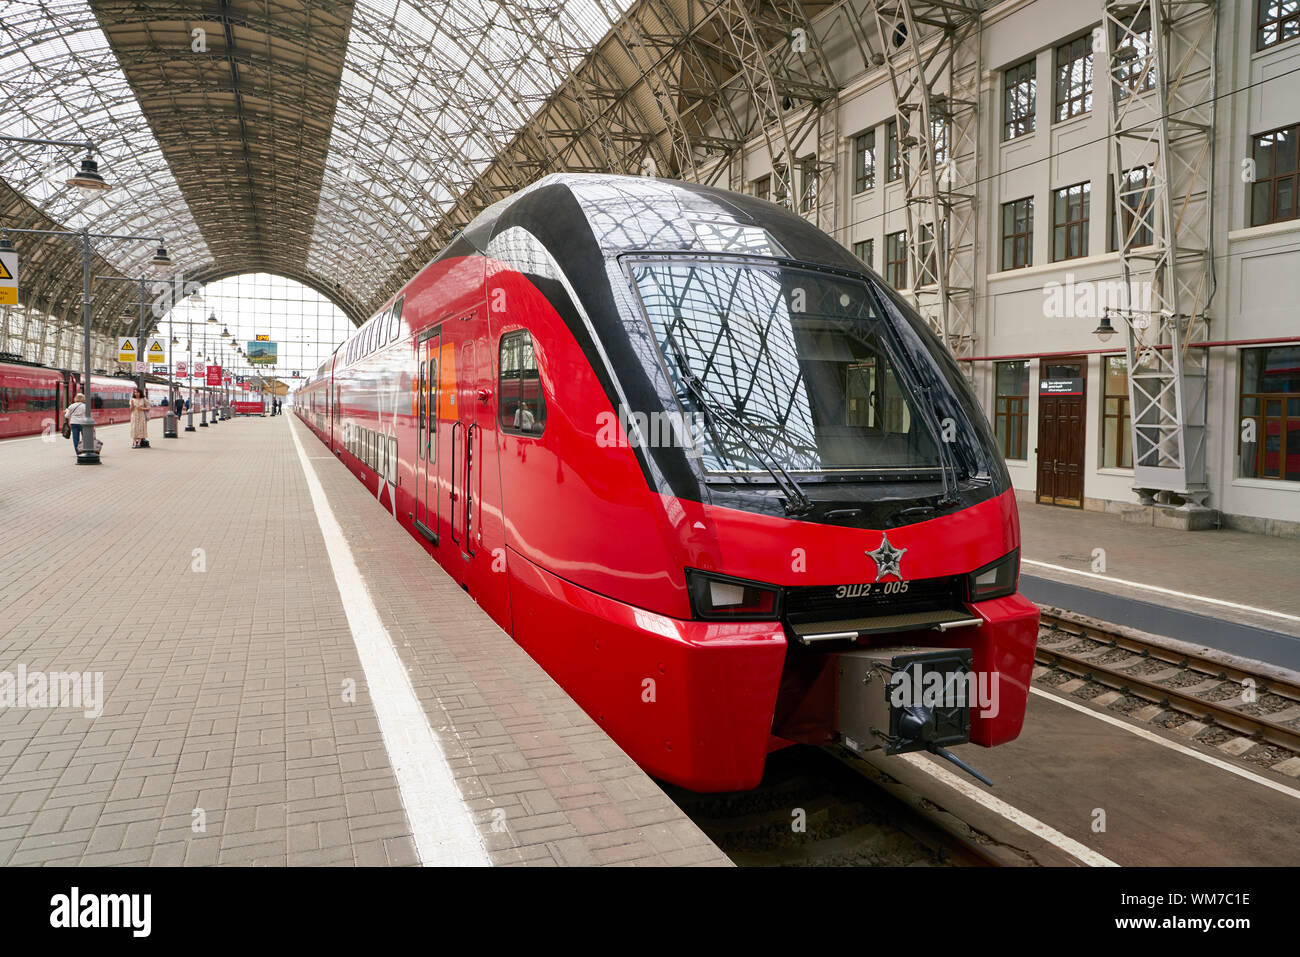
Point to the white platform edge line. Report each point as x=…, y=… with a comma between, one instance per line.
x=1163, y=591
x=1171, y=745
x=1080, y=852
x=443, y=829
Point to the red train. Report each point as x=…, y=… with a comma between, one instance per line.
x=33, y=397
x=705, y=467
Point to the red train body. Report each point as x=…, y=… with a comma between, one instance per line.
x=33, y=397
x=667, y=436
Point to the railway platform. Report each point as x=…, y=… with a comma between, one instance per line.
x=1228, y=590
x=260, y=670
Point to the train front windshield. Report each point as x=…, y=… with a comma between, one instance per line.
x=786, y=362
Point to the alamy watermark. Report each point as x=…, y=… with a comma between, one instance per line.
x=915, y=686
x=1089, y=299
x=654, y=430
x=53, y=689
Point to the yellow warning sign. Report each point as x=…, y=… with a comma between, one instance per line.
x=126, y=349
x=9, y=279
x=157, y=353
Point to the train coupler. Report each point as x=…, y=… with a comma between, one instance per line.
x=907, y=698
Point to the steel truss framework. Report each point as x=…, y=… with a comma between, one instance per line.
x=932, y=52
x=1163, y=85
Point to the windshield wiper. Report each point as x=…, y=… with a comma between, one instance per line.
x=949, y=496
x=796, y=502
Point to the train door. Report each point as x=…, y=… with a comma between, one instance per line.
x=1061, y=395
x=463, y=466
x=427, y=416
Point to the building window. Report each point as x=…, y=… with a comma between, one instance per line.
x=1135, y=209
x=925, y=254
x=763, y=188
x=1116, y=432
x=939, y=136
x=1018, y=233
x=1011, y=408
x=893, y=158
x=521, y=406
x=1134, y=65
x=1269, y=436
x=807, y=184
x=1019, y=95
x=780, y=181
x=1074, y=78
x=1273, y=194
x=865, y=250
x=1279, y=21
x=896, y=259
x=864, y=161
x=1070, y=222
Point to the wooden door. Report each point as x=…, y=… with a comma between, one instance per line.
x=1061, y=426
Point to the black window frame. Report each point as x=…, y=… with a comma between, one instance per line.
x=864, y=161
x=1077, y=226
x=1011, y=412
x=896, y=265
x=1131, y=184
x=1020, y=239
x=1016, y=124
x=893, y=155
x=1064, y=96
x=1275, y=178
x=540, y=416
x=1282, y=21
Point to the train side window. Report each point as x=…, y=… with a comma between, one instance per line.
x=432, y=430
x=419, y=419
x=395, y=321
x=521, y=406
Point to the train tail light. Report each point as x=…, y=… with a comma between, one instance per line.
x=995, y=580
x=719, y=597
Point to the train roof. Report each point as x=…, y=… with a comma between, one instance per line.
x=632, y=213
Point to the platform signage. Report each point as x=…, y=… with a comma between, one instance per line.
x=8, y=278
x=140, y=367
x=180, y=370
x=214, y=375
x=263, y=338
x=156, y=350
x=1060, y=386
x=126, y=349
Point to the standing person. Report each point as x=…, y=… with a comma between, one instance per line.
x=178, y=407
x=139, y=419
x=78, y=415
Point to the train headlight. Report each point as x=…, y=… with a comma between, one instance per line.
x=995, y=580
x=732, y=599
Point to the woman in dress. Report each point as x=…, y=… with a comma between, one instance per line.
x=139, y=418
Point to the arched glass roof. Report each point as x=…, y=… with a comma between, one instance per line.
x=338, y=142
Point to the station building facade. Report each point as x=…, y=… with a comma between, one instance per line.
x=1047, y=259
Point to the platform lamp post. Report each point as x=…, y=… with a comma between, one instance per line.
x=225, y=385
x=190, y=300
x=160, y=262
x=87, y=178
x=86, y=454
x=207, y=398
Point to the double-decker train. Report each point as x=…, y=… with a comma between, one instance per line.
x=715, y=476
x=33, y=398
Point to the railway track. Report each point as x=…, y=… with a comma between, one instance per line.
x=826, y=808
x=1241, y=697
